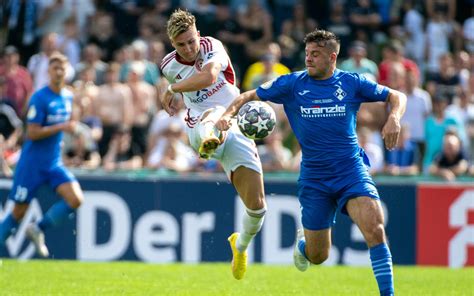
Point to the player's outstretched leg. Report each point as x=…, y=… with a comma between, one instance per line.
x=239, y=242
x=56, y=215
x=299, y=253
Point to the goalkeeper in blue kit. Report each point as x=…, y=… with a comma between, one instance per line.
x=49, y=115
x=321, y=104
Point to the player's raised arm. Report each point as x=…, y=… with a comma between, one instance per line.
x=198, y=81
x=224, y=122
x=391, y=129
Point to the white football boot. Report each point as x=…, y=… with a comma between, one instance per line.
x=299, y=259
x=37, y=237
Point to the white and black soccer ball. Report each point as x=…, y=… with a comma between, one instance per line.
x=256, y=120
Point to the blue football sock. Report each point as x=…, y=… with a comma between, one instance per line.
x=7, y=227
x=382, y=267
x=301, y=247
x=56, y=215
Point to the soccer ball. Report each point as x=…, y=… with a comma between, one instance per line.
x=256, y=120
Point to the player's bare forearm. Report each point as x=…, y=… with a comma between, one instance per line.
x=397, y=101
x=391, y=129
x=243, y=98
x=36, y=132
x=203, y=79
x=224, y=122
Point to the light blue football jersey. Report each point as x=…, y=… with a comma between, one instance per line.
x=322, y=114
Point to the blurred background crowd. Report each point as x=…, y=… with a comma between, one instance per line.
x=424, y=48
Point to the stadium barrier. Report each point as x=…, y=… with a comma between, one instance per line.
x=187, y=219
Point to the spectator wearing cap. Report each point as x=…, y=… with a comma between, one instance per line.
x=18, y=83
x=393, y=53
x=359, y=63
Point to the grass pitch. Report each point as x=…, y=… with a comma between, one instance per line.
x=49, y=277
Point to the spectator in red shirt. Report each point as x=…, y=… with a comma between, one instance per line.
x=393, y=53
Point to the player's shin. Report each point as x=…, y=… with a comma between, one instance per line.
x=252, y=223
x=7, y=227
x=381, y=259
x=56, y=215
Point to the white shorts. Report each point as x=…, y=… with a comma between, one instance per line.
x=236, y=151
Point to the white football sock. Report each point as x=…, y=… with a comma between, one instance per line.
x=252, y=222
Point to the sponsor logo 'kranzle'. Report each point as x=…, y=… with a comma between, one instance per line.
x=318, y=111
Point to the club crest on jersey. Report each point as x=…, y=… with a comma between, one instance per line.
x=340, y=94
x=31, y=112
x=198, y=64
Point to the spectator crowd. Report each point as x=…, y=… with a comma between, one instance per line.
x=424, y=48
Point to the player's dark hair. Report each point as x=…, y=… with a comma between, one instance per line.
x=324, y=38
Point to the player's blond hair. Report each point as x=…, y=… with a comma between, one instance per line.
x=179, y=22
x=57, y=57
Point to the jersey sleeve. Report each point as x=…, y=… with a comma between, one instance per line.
x=165, y=66
x=36, y=112
x=370, y=91
x=277, y=90
x=213, y=52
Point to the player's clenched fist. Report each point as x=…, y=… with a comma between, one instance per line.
x=224, y=123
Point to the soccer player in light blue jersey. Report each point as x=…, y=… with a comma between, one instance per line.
x=321, y=104
x=49, y=115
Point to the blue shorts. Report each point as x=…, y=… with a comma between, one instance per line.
x=321, y=198
x=28, y=179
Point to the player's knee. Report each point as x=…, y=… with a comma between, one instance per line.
x=318, y=257
x=375, y=235
x=76, y=201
